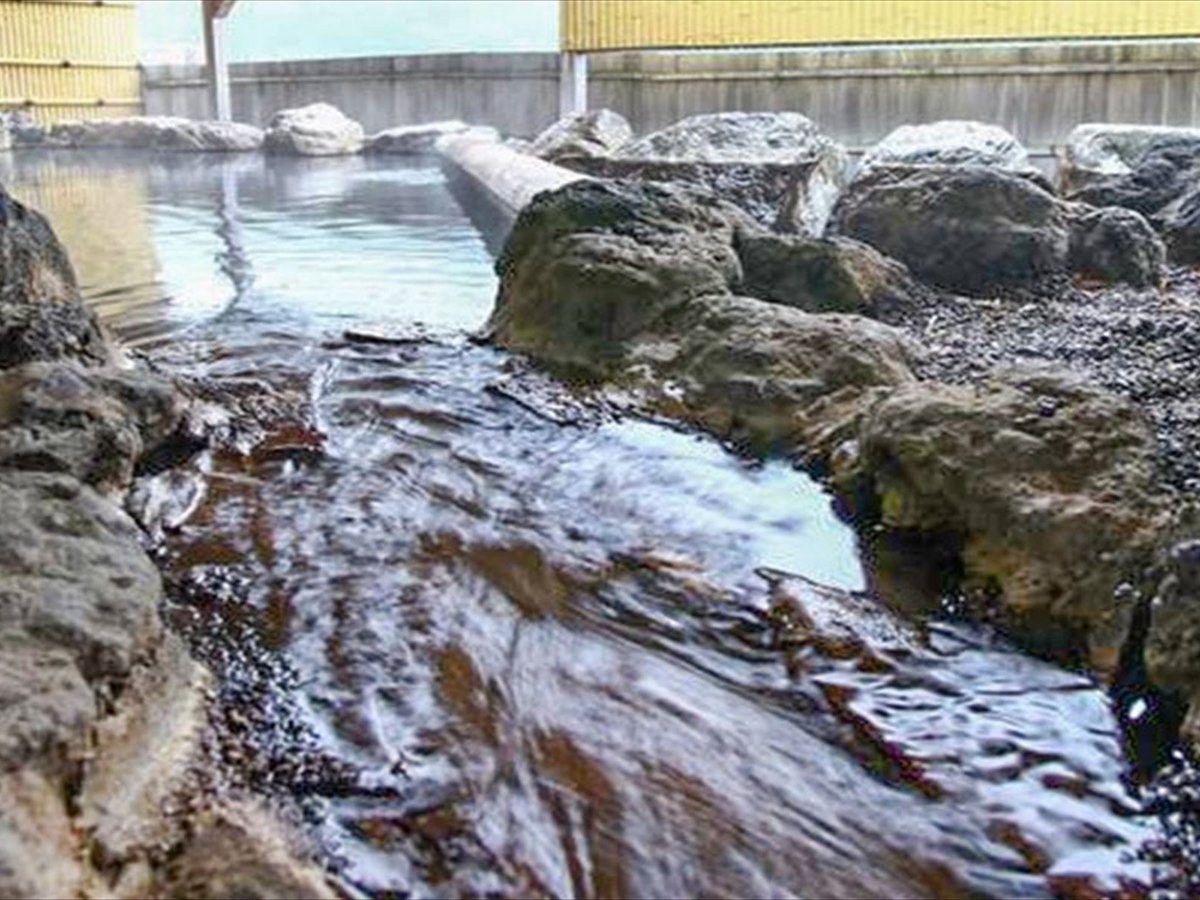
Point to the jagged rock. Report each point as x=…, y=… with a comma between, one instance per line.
x=823, y=274
x=80, y=598
x=974, y=229
x=1096, y=152
x=1172, y=650
x=93, y=424
x=595, y=133
x=1047, y=481
x=33, y=265
x=633, y=282
x=1115, y=245
x=51, y=331
x=777, y=166
x=318, y=129
x=1157, y=175
x=157, y=133
x=412, y=139
x=950, y=142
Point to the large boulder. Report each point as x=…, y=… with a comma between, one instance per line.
x=824, y=274
x=318, y=129
x=976, y=229
x=412, y=139
x=1048, y=483
x=156, y=133
x=950, y=143
x=779, y=167
x=595, y=133
x=1153, y=171
x=1095, y=152
x=33, y=265
x=634, y=282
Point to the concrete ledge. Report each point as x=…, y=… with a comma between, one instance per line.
x=508, y=178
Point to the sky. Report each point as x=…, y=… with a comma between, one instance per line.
x=170, y=30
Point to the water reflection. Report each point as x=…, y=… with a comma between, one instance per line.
x=164, y=242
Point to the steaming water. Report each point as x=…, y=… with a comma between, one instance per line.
x=548, y=647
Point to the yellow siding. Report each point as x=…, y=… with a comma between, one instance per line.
x=629, y=24
x=69, y=59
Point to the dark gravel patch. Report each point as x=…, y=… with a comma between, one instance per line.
x=1143, y=345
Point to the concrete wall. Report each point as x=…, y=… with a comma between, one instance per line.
x=1038, y=91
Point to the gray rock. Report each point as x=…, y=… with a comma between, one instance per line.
x=633, y=282
x=23, y=129
x=823, y=274
x=1158, y=175
x=79, y=594
x=6, y=135
x=318, y=129
x=595, y=133
x=157, y=133
x=51, y=331
x=950, y=142
x=412, y=139
x=777, y=166
x=974, y=229
x=33, y=265
x=1116, y=245
x=93, y=424
x=1095, y=152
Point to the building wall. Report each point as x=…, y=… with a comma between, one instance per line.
x=1038, y=91
x=588, y=25
x=69, y=59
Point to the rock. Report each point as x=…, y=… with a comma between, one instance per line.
x=1096, y=152
x=93, y=424
x=22, y=127
x=6, y=135
x=412, y=139
x=595, y=133
x=823, y=274
x=595, y=264
x=1156, y=174
x=156, y=133
x=314, y=130
x=633, y=282
x=1116, y=245
x=80, y=599
x=1172, y=650
x=243, y=852
x=1048, y=483
x=950, y=143
x=33, y=265
x=975, y=230
x=50, y=331
x=777, y=166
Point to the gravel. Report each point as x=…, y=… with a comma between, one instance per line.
x=1141, y=344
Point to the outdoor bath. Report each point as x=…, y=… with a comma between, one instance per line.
x=476, y=632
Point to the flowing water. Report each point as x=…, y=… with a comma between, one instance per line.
x=492, y=639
